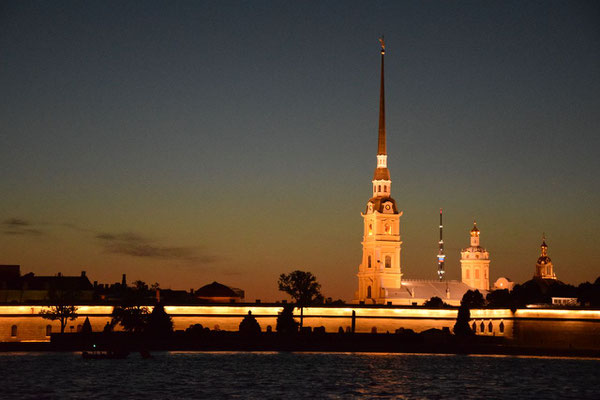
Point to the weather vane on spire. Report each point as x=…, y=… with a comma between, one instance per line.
x=382, y=44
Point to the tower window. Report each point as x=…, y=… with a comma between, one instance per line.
x=370, y=229
x=388, y=262
x=369, y=261
x=368, y=292
x=467, y=274
x=388, y=229
x=384, y=188
x=379, y=188
x=476, y=274
x=13, y=331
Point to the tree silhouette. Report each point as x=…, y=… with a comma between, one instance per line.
x=286, y=324
x=63, y=307
x=461, y=327
x=500, y=298
x=131, y=318
x=434, y=302
x=472, y=299
x=133, y=314
x=87, y=326
x=302, y=287
x=159, y=323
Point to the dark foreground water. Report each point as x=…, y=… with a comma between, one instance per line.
x=179, y=375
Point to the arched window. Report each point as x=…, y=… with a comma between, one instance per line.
x=48, y=330
x=467, y=274
x=370, y=229
x=369, y=262
x=482, y=327
x=501, y=327
x=379, y=188
x=384, y=188
x=474, y=327
x=490, y=327
x=13, y=331
x=388, y=262
x=484, y=274
x=368, y=292
x=476, y=274
x=388, y=229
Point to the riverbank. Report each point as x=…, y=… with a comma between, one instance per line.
x=429, y=342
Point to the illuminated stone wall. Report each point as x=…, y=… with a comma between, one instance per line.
x=543, y=327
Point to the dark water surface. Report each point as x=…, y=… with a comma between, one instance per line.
x=178, y=375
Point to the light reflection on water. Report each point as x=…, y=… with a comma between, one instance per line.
x=296, y=375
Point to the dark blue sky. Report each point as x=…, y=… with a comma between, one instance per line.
x=237, y=140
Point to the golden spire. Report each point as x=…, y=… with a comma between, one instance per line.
x=381, y=142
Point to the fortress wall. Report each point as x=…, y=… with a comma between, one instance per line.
x=534, y=327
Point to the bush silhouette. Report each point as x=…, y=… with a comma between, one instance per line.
x=249, y=326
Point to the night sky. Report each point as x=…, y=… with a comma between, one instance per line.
x=188, y=142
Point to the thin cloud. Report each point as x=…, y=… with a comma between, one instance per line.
x=135, y=245
x=19, y=226
x=16, y=222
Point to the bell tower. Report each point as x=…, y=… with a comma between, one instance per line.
x=475, y=263
x=544, y=268
x=380, y=266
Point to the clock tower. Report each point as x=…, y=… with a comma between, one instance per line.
x=380, y=266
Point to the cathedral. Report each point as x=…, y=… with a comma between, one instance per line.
x=379, y=275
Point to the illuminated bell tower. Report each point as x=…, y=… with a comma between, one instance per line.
x=475, y=263
x=544, y=268
x=380, y=266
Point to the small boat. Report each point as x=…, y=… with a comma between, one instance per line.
x=101, y=355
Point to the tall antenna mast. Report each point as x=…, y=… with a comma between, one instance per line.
x=441, y=256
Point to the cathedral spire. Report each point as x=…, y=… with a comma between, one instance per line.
x=382, y=183
x=381, y=142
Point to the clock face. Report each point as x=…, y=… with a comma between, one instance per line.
x=387, y=206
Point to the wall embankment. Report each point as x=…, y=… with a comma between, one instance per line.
x=560, y=328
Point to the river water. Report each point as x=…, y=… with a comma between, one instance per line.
x=198, y=375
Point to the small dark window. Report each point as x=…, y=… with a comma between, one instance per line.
x=490, y=327
x=501, y=327
x=388, y=262
x=379, y=188
x=482, y=327
x=368, y=292
x=369, y=261
x=474, y=327
x=13, y=331
x=48, y=330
